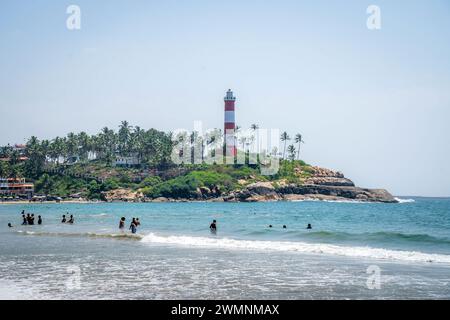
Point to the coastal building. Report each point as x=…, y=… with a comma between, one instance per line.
x=230, y=124
x=16, y=187
x=18, y=152
x=19, y=159
x=21, y=148
x=128, y=162
x=72, y=160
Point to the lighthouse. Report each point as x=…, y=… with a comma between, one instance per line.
x=230, y=125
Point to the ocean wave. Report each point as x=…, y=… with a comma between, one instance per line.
x=302, y=247
x=404, y=200
x=373, y=236
x=99, y=215
x=126, y=236
x=332, y=201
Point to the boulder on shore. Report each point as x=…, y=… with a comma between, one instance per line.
x=126, y=195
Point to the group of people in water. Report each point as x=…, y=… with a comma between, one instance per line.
x=70, y=221
x=133, y=225
x=285, y=227
x=28, y=219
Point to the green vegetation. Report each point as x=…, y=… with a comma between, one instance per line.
x=82, y=165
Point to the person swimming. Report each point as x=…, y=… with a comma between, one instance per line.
x=71, y=220
x=133, y=226
x=63, y=219
x=39, y=220
x=309, y=226
x=270, y=226
x=25, y=222
x=122, y=223
x=284, y=226
x=10, y=225
x=213, y=226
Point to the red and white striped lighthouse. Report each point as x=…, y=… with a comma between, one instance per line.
x=230, y=125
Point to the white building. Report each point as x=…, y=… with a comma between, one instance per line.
x=132, y=161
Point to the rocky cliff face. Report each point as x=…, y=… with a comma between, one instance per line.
x=125, y=195
x=322, y=184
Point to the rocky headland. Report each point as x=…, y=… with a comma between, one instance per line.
x=321, y=184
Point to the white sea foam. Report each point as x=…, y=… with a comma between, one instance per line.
x=331, y=201
x=10, y=290
x=99, y=215
x=121, y=235
x=405, y=200
x=310, y=248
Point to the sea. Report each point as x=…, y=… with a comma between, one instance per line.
x=354, y=250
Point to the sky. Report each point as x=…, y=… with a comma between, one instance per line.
x=374, y=104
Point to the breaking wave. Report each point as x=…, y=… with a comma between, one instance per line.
x=126, y=236
x=405, y=200
x=266, y=245
x=302, y=247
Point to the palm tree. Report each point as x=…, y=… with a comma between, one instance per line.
x=72, y=144
x=36, y=158
x=84, y=145
x=45, y=148
x=299, y=140
x=243, y=140
x=255, y=128
x=284, y=137
x=124, y=138
x=291, y=151
x=137, y=141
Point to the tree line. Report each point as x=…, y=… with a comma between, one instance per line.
x=151, y=147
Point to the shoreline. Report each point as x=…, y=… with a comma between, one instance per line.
x=215, y=200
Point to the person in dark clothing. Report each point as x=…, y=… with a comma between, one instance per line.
x=284, y=226
x=32, y=219
x=39, y=220
x=213, y=226
x=10, y=225
x=25, y=222
x=138, y=223
x=28, y=218
x=270, y=226
x=71, y=220
x=122, y=223
x=133, y=226
x=63, y=219
x=309, y=226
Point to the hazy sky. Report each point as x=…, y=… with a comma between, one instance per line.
x=374, y=104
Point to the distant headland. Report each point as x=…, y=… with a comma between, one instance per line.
x=135, y=165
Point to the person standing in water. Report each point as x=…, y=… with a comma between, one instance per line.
x=309, y=226
x=32, y=219
x=71, y=220
x=63, y=219
x=213, y=226
x=133, y=226
x=25, y=222
x=39, y=220
x=137, y=222
x=122, y=224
